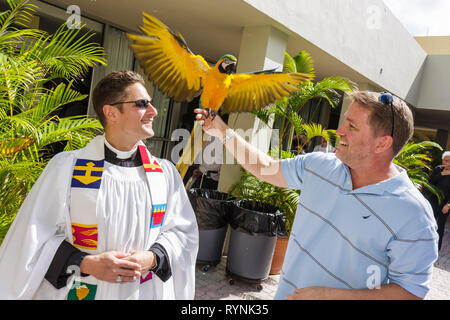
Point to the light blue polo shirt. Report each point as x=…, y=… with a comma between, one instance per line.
x=356, y=239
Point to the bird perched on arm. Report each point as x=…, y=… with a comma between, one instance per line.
x=182, y=75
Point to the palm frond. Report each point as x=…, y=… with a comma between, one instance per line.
x=416, y=158
x=20, y=13
x=28, y=124
x=16, y=77
x=53, y=100
x=302, y=63
x=67, y=52
x=264, y=114
x=312, y=130
x=10, y=147
x=76, y=130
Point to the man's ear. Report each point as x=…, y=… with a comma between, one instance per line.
x=383, y=144
x=111, y=113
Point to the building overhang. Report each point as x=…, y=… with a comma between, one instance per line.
x=211, y=28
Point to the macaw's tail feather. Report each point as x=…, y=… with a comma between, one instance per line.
x=191, y=150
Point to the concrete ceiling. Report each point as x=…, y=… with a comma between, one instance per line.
x=436, y=119
x=211, y=28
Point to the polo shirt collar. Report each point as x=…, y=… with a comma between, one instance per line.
x=395, y=185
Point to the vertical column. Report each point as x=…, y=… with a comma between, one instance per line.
x=261, y=48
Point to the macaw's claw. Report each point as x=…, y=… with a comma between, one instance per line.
x=211, y=113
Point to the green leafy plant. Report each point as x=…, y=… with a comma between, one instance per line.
x=416, y=158
x=251, y=188
x=29, y=62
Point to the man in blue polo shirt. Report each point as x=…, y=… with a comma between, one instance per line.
x=362, y=230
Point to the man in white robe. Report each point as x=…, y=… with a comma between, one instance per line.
x=138, y=236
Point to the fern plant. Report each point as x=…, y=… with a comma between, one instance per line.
x=29, y=60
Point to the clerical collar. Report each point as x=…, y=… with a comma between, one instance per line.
x=130, y=158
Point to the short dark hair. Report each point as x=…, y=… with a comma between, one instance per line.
x=381, y=117
x=111, y=89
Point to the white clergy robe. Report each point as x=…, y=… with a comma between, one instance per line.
x=123, y=215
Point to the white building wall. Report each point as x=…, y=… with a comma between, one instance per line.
x=363, y=34
x=434, y=90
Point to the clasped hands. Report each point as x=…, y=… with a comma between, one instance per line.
x=112, y=265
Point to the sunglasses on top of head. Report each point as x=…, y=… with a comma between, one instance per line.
x=388, y=99
x=141, y=103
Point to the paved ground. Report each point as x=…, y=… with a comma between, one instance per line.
x=214, y=284
x=440, y=284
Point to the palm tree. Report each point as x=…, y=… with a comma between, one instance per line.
x=29, y=61
x=288, y=109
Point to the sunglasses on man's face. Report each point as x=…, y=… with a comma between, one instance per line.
x=141, y=103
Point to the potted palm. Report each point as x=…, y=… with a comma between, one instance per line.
x=30, y=59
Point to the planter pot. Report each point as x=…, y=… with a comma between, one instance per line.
x=278, y=255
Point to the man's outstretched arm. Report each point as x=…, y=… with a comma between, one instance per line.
x=258, y=163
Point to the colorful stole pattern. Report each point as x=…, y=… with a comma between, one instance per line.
x=86, y=182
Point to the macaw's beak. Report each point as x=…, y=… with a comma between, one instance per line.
x=228, y=66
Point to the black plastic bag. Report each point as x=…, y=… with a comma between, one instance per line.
x=257, y=218
x=211, y=207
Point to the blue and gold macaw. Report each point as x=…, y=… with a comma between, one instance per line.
x=182, y=75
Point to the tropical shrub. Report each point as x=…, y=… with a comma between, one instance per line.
x=30, y=60
x=251, y=188
x=417, y=158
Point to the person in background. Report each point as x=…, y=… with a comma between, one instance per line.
x=324, y=146
x=440, y=177
x=206, y=174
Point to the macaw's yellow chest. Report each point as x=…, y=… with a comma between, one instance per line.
x=215, y=89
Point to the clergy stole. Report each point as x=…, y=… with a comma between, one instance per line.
x=86, y=182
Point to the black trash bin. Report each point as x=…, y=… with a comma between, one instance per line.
x=255, y=227
x=212, y=209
